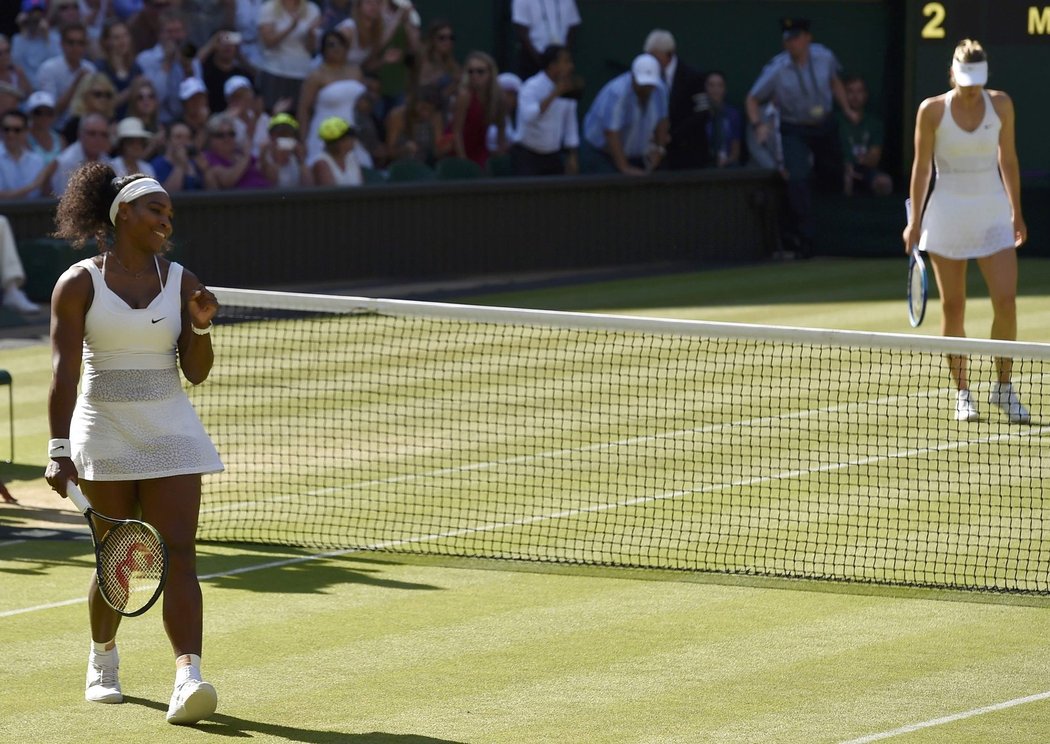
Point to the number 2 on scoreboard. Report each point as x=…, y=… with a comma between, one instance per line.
x=934, y=28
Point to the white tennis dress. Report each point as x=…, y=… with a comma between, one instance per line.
x=132, y=419
x=968, y=215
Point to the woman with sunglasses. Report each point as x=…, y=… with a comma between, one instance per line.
x=94, y=94
x=479, y=105
x=144, y=105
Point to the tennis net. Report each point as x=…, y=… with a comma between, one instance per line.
x=353, y=423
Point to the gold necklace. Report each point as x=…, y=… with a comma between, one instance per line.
x=133, y=274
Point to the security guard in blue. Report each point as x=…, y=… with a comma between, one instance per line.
x=803, y=81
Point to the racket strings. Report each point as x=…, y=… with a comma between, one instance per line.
x=131, y=565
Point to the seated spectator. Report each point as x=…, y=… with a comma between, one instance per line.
x=65, y=12
x=118, y=62
x=35, y=41
x=862, y=144
x=509, y=85
x=144, y=106
x=547, y=125
x=195, y=111
x=247, y=113
x=94, y=94
x=23, y=173
x=132, y=139
x=390, y=58
x=415, y=128
x=11, y=72
x=228, y=166
x=283, y=156
x=221, y=60
x=60, y=75
x=92, y=145
x=181, y=167
x=369, y=129
x=286, y=30
x=725, y=130
x=43, y=139
x=436, y=63
x=626, y=128
x=12, y=273
x=168, y=64
x=479, y=105
x=336, y=165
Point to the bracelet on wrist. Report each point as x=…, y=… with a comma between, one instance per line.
x=201, y=331
x=59, y=448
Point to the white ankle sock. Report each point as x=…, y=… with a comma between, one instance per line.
x=184, y=671
x=100, y=648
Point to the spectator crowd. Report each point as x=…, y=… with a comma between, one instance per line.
x=244, y=94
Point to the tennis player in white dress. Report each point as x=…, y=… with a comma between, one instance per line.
x=131, y=437
x=974, y=212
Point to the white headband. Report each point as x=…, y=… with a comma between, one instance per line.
x=971, y=73
x=131, y=192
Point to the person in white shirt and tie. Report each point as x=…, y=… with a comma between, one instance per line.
x=547, y=125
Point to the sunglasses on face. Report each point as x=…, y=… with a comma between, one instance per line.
x=101, y=94
x=145, y=96
x=95, y=133
x=75, y=42
x=225, y=134
x=42, y=112
x=476, y=71
x=14, y=130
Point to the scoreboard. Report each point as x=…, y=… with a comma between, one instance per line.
x=1016, y=35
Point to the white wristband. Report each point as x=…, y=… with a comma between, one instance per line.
x=202, y=331
x=58, y=448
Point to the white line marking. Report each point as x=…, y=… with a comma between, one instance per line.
x=11, y=542
x=950, y=719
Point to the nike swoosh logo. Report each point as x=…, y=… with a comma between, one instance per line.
x=157, y=320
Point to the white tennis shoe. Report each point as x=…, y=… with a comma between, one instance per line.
x=965, y=408
x=192, y=701
x=103, y=683
x=1003, y=395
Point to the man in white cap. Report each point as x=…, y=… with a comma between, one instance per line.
x=193, y=97
x=626, y=128
x=250, y=122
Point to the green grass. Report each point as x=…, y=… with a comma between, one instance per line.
x=377, y=648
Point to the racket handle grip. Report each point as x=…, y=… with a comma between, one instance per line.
x=77, y=496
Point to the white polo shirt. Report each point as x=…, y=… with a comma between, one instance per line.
x=548, y=131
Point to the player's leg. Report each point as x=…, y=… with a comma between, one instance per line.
x=1000, y=274
x=951, y=285
x=172, y=505
x=116, y=499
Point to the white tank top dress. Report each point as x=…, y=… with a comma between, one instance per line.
x=968, y=215
x=132, y=419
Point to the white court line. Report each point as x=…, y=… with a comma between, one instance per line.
x=949, y=719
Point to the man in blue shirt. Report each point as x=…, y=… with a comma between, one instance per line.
x=626, y=128
x=23, y=174
x=803, y=80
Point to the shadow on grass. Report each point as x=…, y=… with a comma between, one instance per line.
x=220, y=724
x=306, y=573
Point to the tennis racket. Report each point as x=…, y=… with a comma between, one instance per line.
x=918, y=282
x=131, y=559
